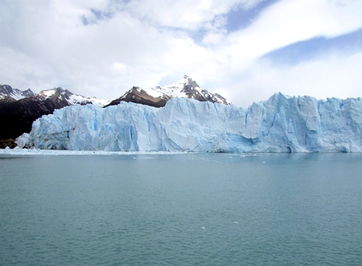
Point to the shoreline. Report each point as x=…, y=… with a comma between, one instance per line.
x=30, y=152
x=18, y=151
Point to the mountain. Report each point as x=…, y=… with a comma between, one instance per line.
x=158, y=96
x=280, y=124
x=18, y=109
x=69, y=98
x=8, y=94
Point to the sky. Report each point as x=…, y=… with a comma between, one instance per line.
x=245, y=50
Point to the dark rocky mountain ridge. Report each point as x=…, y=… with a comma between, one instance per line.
x=158, y=96
x=7, y=93
x=19, y=109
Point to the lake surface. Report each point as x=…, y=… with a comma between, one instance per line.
x=191, y=209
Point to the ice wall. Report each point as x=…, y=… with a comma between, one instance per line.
x=280, y=124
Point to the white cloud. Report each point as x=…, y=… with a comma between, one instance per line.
x=143, y=43
x=284, y=23
x=186, y=14
x=335, y=75
x=290, y=21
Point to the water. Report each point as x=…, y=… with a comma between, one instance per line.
x=211, y=209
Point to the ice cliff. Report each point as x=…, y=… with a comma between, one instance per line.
x=280, y=124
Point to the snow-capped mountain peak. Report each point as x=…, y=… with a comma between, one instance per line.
x=177, y=89
x=11, y=94
x=47, y=93
x=158, y=96
x=188, y=88
x=61, y=94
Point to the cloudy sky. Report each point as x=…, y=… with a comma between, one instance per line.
x=245, y=49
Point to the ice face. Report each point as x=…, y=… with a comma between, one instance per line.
x=280, y=124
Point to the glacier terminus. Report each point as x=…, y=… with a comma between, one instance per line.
x=279, y=124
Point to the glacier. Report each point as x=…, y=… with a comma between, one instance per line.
x=279, y=124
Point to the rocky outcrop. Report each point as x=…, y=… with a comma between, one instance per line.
x=158, y=96
x=137, y=95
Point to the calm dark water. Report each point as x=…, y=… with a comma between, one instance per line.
x=211, y=209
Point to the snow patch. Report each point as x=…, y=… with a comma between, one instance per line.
x=79, y=99
x=47, y=93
